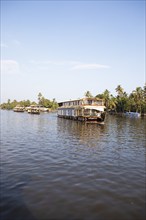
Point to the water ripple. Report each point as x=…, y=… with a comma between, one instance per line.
x=53, y=168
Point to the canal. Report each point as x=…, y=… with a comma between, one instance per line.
x=53, y=168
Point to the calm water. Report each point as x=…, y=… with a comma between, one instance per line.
x=52, y=168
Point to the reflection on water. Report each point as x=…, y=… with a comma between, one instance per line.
x=84, y=133
x=52, y=168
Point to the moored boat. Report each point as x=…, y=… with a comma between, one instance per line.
x=33, y=110
x=19, y=109
x=86, y=109
x=132, y=114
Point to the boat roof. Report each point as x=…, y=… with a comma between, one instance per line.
x=82, y=99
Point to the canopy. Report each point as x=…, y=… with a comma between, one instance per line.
x=98, y=108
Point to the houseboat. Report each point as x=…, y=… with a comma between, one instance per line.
x=86, y=109
x=36, y=108
x=19, y=109
x=33, y=109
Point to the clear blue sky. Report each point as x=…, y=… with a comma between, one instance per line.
x=64, y=48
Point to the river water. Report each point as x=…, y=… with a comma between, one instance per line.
x=54, y=168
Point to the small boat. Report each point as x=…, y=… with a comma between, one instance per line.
x=132, y=114
x=19, y=109
x=89, y=110
x=33, y=110
x=36, y=109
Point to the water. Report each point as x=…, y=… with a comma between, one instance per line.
x=53, y=168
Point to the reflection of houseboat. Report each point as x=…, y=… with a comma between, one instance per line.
x=19, y=109
x=86, y=109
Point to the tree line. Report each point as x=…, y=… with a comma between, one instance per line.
x=122, y=102
x=42, y=101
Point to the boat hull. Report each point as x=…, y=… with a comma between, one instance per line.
x=34, y=111
x=86, y=119
x=19, y=109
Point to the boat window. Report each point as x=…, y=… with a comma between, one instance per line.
x=90, y=102
x=87, y=112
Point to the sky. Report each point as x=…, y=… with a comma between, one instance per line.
x=65, y=48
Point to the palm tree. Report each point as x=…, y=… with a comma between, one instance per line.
x=88, y=94
x=112, y=103
x=144, y=100
x=9, y=104
x=99, y=96
x=120, y=98
x=106, y=97
x=138, y=98
x=144, y=92
x=119, y=90
x=40, y=98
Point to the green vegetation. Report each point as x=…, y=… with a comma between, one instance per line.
x=41, y=101
x=122, y=102
x=88, y=94
x=47, y=103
